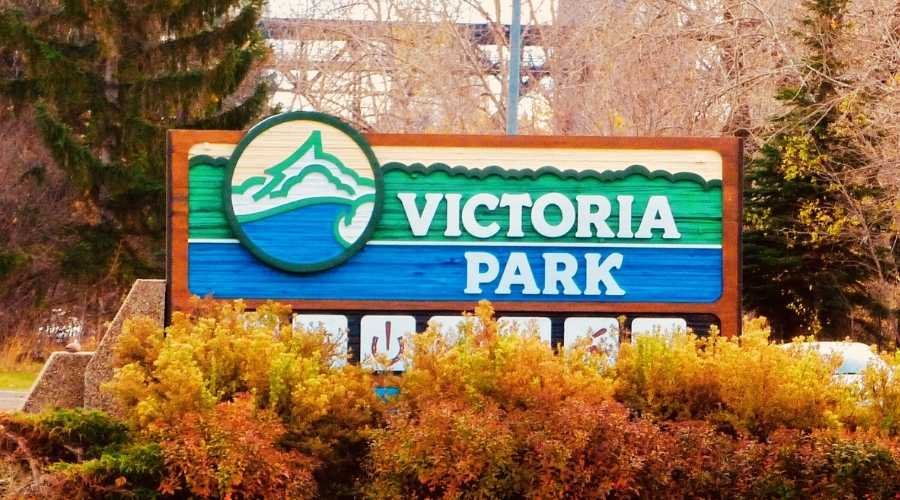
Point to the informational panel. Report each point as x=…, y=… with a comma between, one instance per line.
x=664, y=327
x=603, y=334
x=304, y=209
x=522, y=325
x=384, y=340
x=335, y=327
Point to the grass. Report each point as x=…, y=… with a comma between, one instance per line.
x=18, y=369
x=20, y=377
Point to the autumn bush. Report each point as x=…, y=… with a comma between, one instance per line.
x=277, y=389
x=496, y=414
x=75, y=454
x=231, y=452
x=746, y=384
x=499, y=415
x=228, y=403
x=879, y=396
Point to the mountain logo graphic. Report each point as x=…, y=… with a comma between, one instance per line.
x=303, y=191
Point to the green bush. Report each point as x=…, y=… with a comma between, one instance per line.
x=66, y=434
x=82, y=454
x=132, y=470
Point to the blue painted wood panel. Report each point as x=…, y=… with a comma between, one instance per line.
x=427, y=272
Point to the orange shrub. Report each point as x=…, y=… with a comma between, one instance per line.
x=498, y=414
x=231, y=452
x=577, y=450
x=447, y=450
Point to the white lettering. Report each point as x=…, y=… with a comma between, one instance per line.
x=624, y=216
x=587, y=217
x=471, y=224
x=517, y=272
x=481, y=268
x=515, y=202
x=598, y=272
x=453, y=215
x=658, y=215
x=420, y=223
x=553, y=275
x=539, y=217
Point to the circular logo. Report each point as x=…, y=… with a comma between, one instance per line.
x=303, y=191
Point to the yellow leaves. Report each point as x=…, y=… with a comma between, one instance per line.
x=799, y=157
x=823, y=222
x=221, y=350
x=141, y=340
x=129, y=384
x=179, y=381
x=880, y=392
x=754, y=385
x=493, y=363
x=618, y=121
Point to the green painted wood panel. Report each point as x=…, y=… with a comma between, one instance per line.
x=696, y=204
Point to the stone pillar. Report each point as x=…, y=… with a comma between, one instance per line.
x=60, y=384
x=146, y=298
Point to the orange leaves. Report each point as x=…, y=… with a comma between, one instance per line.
x=231, y=452
x=499, y=414
x=243, y=406
x=448, y=450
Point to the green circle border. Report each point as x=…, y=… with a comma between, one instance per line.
x=314, y=117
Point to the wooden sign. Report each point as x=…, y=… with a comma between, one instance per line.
x=305, y=210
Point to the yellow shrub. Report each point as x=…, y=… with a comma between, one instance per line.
x=221, y=352
x=764, y=386
x=517, y=368
x=673, y=379
x=879, y=396
x=747, y=383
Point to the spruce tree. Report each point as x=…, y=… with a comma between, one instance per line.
x=106, y=79
x=805, y=264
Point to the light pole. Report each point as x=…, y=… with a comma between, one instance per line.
x=515, y=58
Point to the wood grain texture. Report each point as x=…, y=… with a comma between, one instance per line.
x=727, y=308
x=705, y=162
x=275, y=143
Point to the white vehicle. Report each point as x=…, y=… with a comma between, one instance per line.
x=855, y=357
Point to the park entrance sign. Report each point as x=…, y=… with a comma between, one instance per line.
x=304, y=209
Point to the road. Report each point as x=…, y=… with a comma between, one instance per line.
x=12, y=400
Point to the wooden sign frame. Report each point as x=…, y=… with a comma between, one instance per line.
x=727, y=308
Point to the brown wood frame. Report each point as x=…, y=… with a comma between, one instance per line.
x=727, y=308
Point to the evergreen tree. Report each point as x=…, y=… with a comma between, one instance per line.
x=106, y=79
x=807, y=206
